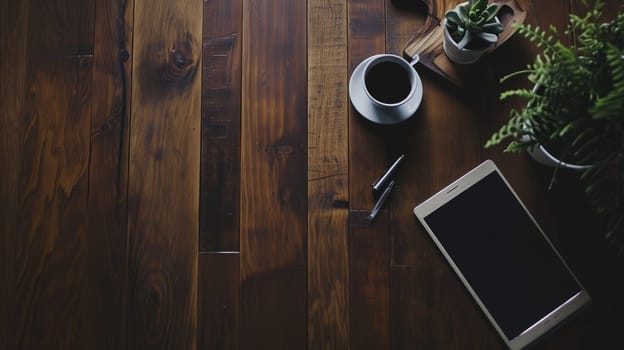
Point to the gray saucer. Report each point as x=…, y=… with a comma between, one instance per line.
x=377, y=114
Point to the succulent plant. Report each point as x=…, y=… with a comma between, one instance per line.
x=473, y=25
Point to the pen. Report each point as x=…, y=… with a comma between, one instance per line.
x=380, y=182
x=380, y=202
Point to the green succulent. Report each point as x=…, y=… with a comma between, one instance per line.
x=472, y=24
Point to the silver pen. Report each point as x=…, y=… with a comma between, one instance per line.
x=380, y=202
x=380, y=183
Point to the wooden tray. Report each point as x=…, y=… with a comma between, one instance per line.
x=428, y=42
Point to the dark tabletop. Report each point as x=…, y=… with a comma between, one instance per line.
x=192, y=175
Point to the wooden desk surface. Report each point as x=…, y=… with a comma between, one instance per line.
x=191, y=175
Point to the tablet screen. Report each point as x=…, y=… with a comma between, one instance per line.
x=502, y=254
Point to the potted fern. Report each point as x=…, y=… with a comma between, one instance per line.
x=470, y=30
x=575, y=110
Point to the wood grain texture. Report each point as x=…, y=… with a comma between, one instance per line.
x=218, y=303
x=546, y=13
x=328, y=182
x=13, y=27
x=426, y=36
x=438, y=8
x=273, y=175
x=61, y=27
x=369, y=155
x=219, y=273
x=401, y=23
x=431, y=309
x=79, y=273
x=108, y=176
x=273, y=309
x=51, y=248
x=369, y=281
x=221, y=96
x=163, y=192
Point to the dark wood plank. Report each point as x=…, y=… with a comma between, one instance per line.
x=51, y=247
x=273, y=175
x=61, y=27
x=163, y=189
x=108, y=175
x=277, y=296
x=431, y=309
x=403, y=19
x=218, y=302
x=13, y=26
x=328, y=182
x=219, y=273
x=221, y=96
x=369, y=281
x=368, y=152
x=369, y=155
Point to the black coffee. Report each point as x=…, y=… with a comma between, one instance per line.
x=388, y=82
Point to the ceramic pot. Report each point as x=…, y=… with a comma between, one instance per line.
x=462, y=56
x=541, y=154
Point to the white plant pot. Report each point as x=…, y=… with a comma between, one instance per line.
x=542, y=156
x=462, y=56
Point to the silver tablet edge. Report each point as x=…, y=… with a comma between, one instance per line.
x=576, y=303
x=455, y=188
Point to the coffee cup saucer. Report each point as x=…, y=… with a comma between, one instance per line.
x=377, y=114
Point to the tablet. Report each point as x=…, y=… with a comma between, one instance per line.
x=502, y=256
